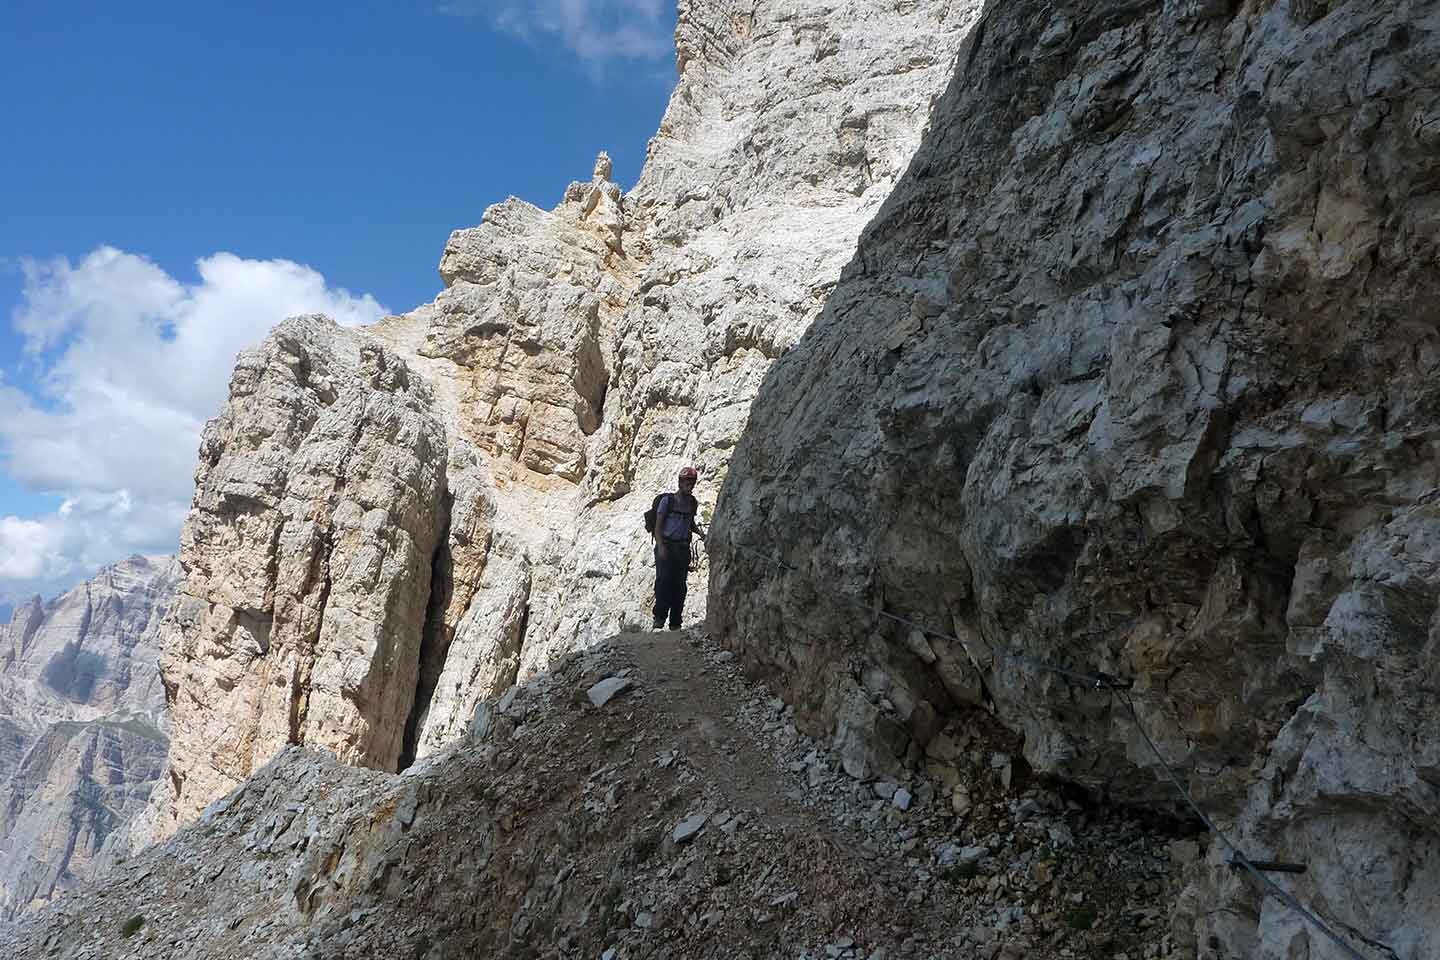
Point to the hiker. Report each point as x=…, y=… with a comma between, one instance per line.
x=674, y=522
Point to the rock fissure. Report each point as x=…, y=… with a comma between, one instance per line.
x=436, y=636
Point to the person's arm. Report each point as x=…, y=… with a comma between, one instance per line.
x=661, y=513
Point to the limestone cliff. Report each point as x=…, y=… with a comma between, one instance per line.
x=1135, y=372
x=394, y=524
x=81, y=714
x=307, y=564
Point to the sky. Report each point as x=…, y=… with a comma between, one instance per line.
x=179, y=177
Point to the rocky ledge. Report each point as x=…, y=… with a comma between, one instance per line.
x=683, y=816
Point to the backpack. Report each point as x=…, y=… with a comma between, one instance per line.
x=651, y=513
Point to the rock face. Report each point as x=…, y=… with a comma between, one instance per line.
x=307, y=561
x=81, y=721
x=392, y=525
x=1135, y=372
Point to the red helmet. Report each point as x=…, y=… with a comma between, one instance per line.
x=688, y=473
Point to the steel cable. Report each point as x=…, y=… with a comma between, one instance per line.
x=1239, y=857
x=1103, y=681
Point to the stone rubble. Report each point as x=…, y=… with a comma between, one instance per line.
x=751, y=842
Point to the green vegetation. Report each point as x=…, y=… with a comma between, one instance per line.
x=132, y=926
x=1080, y=918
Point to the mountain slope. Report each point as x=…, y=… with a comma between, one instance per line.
x=1130, y=371
x=393, y=524
x=685, y=817
x=81, y=721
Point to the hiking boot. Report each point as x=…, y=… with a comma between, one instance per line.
x=674, y=626
x=658, y=625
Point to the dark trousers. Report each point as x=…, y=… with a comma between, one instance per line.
x=671, y=575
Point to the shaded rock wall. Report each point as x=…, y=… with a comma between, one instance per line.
x=81, y=726
x=1135, y=371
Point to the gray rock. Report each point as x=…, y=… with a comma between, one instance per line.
x=297, y=622
x=1132, y=380
x=973, y=854
x=687, y=829
x=480, y=723
x=607, y=689
x=1061, y=835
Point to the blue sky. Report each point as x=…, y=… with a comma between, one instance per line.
x=176, y=171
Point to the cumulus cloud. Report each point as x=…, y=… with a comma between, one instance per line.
x=597, y=31
x=125, y=364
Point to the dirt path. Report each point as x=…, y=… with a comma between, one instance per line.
x=684, y=818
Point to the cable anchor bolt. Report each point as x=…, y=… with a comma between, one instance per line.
x=1269, y=866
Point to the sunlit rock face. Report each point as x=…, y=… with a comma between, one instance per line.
x=81, y=726
x=307, y=561
x=392, y=524
x=1136, y=372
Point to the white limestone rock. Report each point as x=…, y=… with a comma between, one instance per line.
x=587, y=352
x=575, y=359
x=308, y=556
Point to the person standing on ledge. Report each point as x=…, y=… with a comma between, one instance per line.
x=674, y=522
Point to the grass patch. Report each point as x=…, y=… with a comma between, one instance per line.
x=1080, y=918
x=132, y=926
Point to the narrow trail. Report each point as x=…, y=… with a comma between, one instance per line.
x=684, y=817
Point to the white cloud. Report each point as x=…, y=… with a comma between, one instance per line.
x=48, y=554
x=129, y=364
x=598, y=31
x=24, y=545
